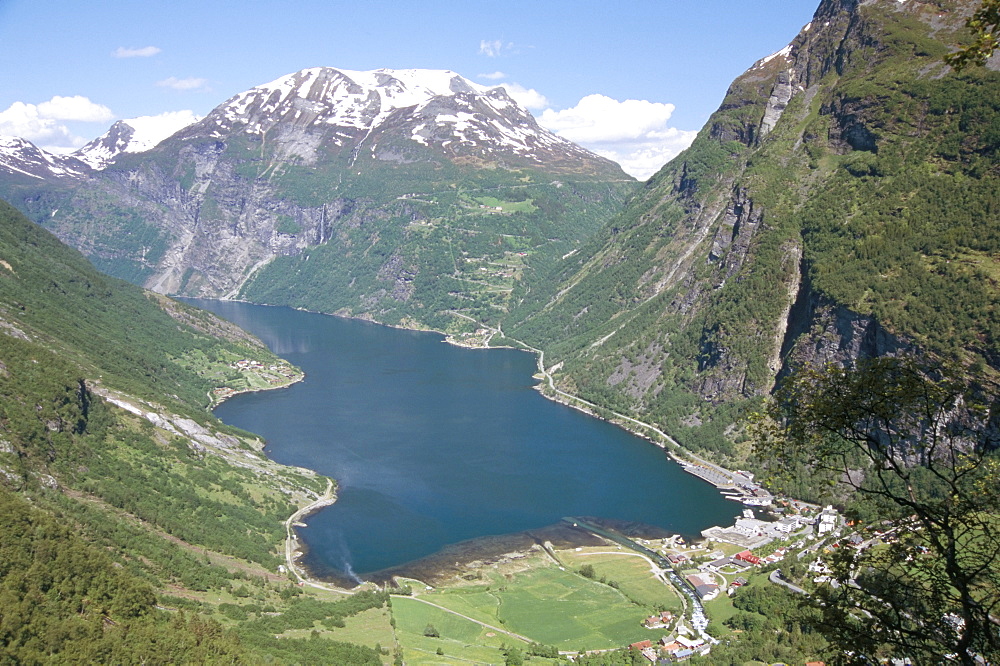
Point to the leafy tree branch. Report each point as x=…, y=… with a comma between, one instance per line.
x=918, y=442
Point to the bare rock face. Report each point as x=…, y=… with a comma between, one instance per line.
x=731, y=243
x=781, y=94
x=707, y=288
x=294, y=164
x=833, y=334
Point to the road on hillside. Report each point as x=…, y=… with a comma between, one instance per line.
x=776, y=578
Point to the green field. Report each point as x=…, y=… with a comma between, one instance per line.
x=632, y=573
x=368, y=628
x=460, y=639
x=507, y=206
x=555, y=607
x=564, y=609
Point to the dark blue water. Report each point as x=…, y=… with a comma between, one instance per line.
x=434, y=444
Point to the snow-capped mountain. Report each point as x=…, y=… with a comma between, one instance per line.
x=390, y=114
x=363, y=190
x=135, y=135
x=105, y=148
x=20, y=157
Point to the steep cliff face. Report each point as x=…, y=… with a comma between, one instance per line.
x=400, y=195
x=816, y=218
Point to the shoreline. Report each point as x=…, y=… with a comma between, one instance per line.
x=550, y=392
x=735, y=483
x=292, y=552
x=218, y=400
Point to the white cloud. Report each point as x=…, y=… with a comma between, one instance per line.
x=635, y=133
x=490, y=48
x=144, y=52
x=45, y=123
x=23, y=120
x=77, y=108
x=150, y=130
x=641, y=159
x=190, y=83
x=600, y=118
x=494, y=48
x=494, y=76
x=529, y=98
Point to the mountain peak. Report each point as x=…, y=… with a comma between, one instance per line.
x=102, y=150
x=399, y=88
x=359, y=99
x=21, y=157
x=135, y=135
x=397, y=115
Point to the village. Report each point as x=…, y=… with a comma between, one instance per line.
x=256, y=376
x=725, y=560
x=728, y=557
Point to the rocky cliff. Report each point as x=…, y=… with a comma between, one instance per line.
x=400, y=195
x=840, y=203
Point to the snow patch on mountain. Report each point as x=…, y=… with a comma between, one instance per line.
x=783, y=53
x=135, y=135
x=341, y=106
x=20, y=156
x=346, y=97
x=151, y=130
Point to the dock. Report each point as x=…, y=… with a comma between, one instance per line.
x=735, y=486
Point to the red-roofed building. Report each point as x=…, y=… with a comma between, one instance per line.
x=659, y=621
x=747, y=556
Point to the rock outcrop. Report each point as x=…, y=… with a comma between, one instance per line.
x=787, y=234
x=340, y=191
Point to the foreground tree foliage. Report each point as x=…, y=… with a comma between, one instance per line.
x=985, y=26
x=919, y=445
x=62, y=599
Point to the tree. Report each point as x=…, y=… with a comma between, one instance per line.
x=985, y=25
x=514, y=657
x=918, y=443
x=431, y=632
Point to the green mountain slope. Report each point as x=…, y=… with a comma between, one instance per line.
x=841, y=202
x=127, y=338
x=121, y=496
x=323, y=190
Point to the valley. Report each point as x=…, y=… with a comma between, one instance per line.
x=807, y=293
x=434, y=445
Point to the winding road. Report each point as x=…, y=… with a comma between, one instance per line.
x=776, y=578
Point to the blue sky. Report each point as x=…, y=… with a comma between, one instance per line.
x=74, y=67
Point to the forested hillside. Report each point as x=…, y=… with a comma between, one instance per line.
x=841, y=203
x=132, y=503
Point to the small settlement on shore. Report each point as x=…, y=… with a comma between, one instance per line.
x=256, y=376
x=728, y=555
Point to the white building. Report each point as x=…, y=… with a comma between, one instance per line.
x=828, y=520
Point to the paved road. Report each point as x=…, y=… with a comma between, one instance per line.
x=326, y=499
x=775, y=578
